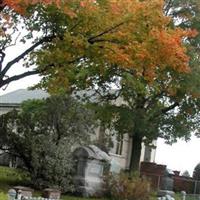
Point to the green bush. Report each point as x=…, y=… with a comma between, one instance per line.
x=126, y=187
x=43, y=134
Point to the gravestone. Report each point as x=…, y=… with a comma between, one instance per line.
x=23, y=191
x=51, y=193
x=91, y=161
x=167, y=184
x=12, y=194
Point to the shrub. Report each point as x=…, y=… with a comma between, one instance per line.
x=126, y=187
x=43, y=134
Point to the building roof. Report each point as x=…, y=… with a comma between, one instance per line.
x=18, y=96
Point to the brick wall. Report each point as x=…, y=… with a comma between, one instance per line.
x=155, y=172
x=183, y=183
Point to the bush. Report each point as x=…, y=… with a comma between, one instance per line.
x=43, y=134
x=126, y=187
x=55, y=169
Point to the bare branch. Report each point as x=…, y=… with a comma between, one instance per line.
x=17, y=77
x=22, y=55
x=15, y=41
x=167, y=109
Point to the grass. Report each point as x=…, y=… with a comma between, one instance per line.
x=10, y=177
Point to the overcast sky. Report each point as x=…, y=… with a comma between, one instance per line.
x=180, y=156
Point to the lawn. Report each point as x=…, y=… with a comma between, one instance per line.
x=10, y=177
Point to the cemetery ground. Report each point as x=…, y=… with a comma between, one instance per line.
x=10, y=177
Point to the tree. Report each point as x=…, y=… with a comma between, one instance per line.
x=158, y=97
x=196, y=172
x=136, y=49
x=196, y=176
x=64, y=34
x=43, y=135
x=185, y=173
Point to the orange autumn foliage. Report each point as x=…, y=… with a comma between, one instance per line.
x=129, y=33
x=21, y=5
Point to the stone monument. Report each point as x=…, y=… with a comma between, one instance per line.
x=90, y=163
x=167, y=184
x=51, y=193
x=12, y=194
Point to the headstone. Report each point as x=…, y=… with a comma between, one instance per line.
x=23, y=191
x=88, y=179
x=12, y=194
x=115, y=167
x=167, y=184
x=51, y=193
x=183, y=195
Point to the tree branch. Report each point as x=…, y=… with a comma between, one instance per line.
x=17, y=77
x=91, y=39
x=167, y=109
x=2, y=56
x=167, y=7
x=152, y=99
x=22, y=55
x=2, y=5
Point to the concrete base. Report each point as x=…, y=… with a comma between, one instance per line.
x=162, y=193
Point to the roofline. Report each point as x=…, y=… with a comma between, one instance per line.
x=12, y=105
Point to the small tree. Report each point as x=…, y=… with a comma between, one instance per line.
x=186, y=173
x=196, y=172
x=43, y=134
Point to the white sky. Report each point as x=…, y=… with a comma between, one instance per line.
x=11, y=53
x=20, y=84
x=179, y=156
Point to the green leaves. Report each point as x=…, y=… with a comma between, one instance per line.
x=43, y=134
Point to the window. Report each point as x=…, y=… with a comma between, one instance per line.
x=118, y=145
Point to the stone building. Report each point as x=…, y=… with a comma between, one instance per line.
x=120, y=152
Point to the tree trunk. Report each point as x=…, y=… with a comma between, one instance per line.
x=135, y=153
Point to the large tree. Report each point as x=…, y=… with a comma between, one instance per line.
x=100, y=34
x=43, y=135
x=128, y=45
x=155, y=84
